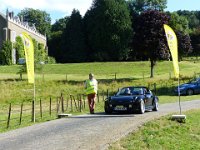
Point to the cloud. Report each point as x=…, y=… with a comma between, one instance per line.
x=62, y=6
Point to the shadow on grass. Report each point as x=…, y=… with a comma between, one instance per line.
x=73, y=82
x=12, y=80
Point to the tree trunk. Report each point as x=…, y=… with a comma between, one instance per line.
x=153, y=62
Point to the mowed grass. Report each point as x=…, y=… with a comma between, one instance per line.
x=164, y=134
x=51, y=80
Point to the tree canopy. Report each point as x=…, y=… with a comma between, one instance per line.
x=40, y=19
x=149, y=39
x=108, y=30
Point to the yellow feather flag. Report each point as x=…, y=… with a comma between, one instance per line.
x=173, y=47
x=29, y=54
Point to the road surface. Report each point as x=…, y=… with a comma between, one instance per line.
x=85, y=132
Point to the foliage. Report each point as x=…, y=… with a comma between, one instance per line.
x=6, y=53
x=108, y=30
x=184, y=44
x=179, y=23
x=149, y=39
x=195, y=41
x=19, y=46
x=40, y=19
x=59, y=25
x=54, y=44
x=138, y=6
x=73, y=42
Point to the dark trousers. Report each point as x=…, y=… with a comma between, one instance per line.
x=91, y=102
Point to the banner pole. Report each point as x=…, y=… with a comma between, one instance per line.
x=34, y=100
x=179, y=97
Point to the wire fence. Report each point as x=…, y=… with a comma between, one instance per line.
x=17, y=114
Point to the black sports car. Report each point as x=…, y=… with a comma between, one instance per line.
x=132, y=99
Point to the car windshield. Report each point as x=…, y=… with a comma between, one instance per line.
x=194, y=81
x=130, y=91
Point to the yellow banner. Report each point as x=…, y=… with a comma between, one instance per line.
x=29, y=54
x=173, y=47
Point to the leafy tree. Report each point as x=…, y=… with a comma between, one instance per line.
x=139, y=6
x=54, y=45
x=55, y=41
x=6, y=53
x=19, y=46
x=195, y=41
x=108, y=30
x=60, y=24
x=40, y=19
x=184, y=44
x=179, y=23
x=192, y=17
x=149, y=39
x=73, y=43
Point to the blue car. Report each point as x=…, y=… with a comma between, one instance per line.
x=190, y=88
x=132, y=99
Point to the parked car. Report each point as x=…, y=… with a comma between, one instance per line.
x=132, y=99
x=190, y=88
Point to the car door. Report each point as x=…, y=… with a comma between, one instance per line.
x=148, y=97
x=198, y=87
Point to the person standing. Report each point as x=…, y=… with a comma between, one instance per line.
x=91, y=86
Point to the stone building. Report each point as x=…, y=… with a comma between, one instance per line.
x=12, y=26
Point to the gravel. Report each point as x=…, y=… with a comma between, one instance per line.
x=85, y=132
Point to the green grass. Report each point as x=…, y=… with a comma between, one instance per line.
x=68, y=79
x=164, y=134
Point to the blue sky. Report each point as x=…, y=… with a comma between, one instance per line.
x=61, y=8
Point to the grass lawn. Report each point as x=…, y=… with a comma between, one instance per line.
x=164, y=134
x=52, y=80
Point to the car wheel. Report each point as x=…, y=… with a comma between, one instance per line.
x=142, y=107
x=155, y=105
x=190, y=92
x=107, y=109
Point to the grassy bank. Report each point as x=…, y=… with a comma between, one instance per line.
x=164, y=134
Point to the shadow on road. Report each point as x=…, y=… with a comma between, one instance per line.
x=103, y=115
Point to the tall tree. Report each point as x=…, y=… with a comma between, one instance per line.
x=73, y=46
x=149, y=39
x=139, y=6
x=108, y=28
x=40, y=19
x=55, y=40
x=179, y=23
x=184, y=44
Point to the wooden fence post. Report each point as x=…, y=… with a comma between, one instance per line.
x=20, y=119
x=40, y=108
x=83, y=101
x=62, y=102
x=80, y=103
x=33, y=108
x=50, y=106
x=155, y=88
x=98, y=97
x=9, y=114
x=71, y=103
x=103, y=95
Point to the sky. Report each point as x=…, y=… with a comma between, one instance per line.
x=61, y=8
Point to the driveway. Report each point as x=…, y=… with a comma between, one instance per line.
x=84, y=132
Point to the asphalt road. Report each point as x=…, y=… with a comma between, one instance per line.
x=85, y=132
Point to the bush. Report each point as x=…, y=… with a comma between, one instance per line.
x=6, y=53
